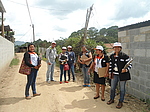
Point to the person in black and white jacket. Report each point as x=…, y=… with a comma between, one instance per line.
x=117, y=74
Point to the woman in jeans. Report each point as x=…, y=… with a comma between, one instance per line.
x=31, y=60
x=63, y=58
x=84, y=59
x=100, y=61
x=71, y=62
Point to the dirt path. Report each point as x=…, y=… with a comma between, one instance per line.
x=55, y=97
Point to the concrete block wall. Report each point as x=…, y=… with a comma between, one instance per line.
x=136, y=43
x=6, y=53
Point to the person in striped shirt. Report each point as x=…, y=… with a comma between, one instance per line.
x=118, y=74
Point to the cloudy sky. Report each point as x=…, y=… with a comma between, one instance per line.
x=59, y=18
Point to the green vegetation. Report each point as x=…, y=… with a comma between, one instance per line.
x=15, y=61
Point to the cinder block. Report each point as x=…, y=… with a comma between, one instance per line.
x=122, y=34
x=140, y=52
x=144, y=45
x=144, y=60
x=148, y=53
x=139, y=38
x=125, y=39
x=147, y=37
x=147, y=83
x=134, y=32
x=144, y=30
x=140, y=67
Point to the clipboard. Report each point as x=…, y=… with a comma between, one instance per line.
x=85, y=57
x=101, y=72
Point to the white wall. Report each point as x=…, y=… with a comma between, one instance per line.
x=6, y=53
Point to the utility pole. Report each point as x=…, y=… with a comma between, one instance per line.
x=33, y=33
x=86, y=23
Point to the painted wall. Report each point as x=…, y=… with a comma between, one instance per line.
x=6, y=53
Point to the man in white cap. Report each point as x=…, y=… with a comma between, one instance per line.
x=118, y=74
x=51, y=55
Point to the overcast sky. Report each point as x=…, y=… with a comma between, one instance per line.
x=59, y=18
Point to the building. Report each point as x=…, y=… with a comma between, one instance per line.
x=135, y=40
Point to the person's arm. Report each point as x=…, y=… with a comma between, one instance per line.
x=91, y=67
x=107, y=70
x=80, y=60
x=47, y=56
x=127, y=59
x=27, y=60
x=90, y=57
x=74, y=57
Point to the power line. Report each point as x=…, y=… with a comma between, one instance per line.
x=29, y=12
x=39, y=7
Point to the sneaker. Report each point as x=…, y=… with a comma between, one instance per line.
x=84, y=85
x=60, y=82
x=66, y=81
x=88, y=85
x=28, y=97
x=53, y=80
x=37, y=94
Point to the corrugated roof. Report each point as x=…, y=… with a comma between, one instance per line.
x=2, y=9
x=137, y=25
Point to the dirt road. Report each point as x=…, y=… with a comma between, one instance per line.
x=55, y=97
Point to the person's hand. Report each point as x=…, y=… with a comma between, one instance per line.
x=106, y=75
x=36, y=67
x=124, y=70
x=39, y=65
x=110, y=76
x=49, y=63
x=89, y=70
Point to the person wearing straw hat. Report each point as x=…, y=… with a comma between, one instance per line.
x=63, y=58
x=51, y=55
x=71, y=62
x=118, y=74
x=100, y=65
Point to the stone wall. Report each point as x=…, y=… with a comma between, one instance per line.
x=136, y=43
x=6, y=53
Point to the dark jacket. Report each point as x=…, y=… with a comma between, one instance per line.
x=27, y=59
x=71, y=58
x=121, y=62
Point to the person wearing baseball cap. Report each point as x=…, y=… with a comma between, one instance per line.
x=51, y=54
x=100, y=62
x=118, y=74
x=71, y=62
x=63, y=58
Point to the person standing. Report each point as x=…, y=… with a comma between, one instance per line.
x=63, y=58
x=85, y=59
x=51, y=55
x=100, y=62
x=71, y=62
x=32, y=60
x=118, y=74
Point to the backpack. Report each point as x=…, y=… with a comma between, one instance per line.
x=46, y=51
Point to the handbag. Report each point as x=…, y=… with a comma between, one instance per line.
x=24, y=69
x=66, y=67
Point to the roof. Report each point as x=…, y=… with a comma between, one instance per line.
x=6, y=28
x=133, y=26
x=2, y=9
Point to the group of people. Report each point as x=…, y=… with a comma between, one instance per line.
x=100, y=64
x=65, y=58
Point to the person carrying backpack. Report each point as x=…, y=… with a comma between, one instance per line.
x=51, y=55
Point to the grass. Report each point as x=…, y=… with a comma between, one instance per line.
x=15, y=61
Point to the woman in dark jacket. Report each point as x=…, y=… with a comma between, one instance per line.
x=118, y=74
x=31, y=60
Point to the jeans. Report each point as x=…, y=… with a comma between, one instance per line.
x=62, y=71
x=50, y=72
x=85, y=74
x=114, y=83
x=71, y=68
x=31, y=79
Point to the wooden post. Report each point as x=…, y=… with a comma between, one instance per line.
x=33, y=33
x=86, y=23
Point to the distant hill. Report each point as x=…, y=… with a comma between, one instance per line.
x=19, y=42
